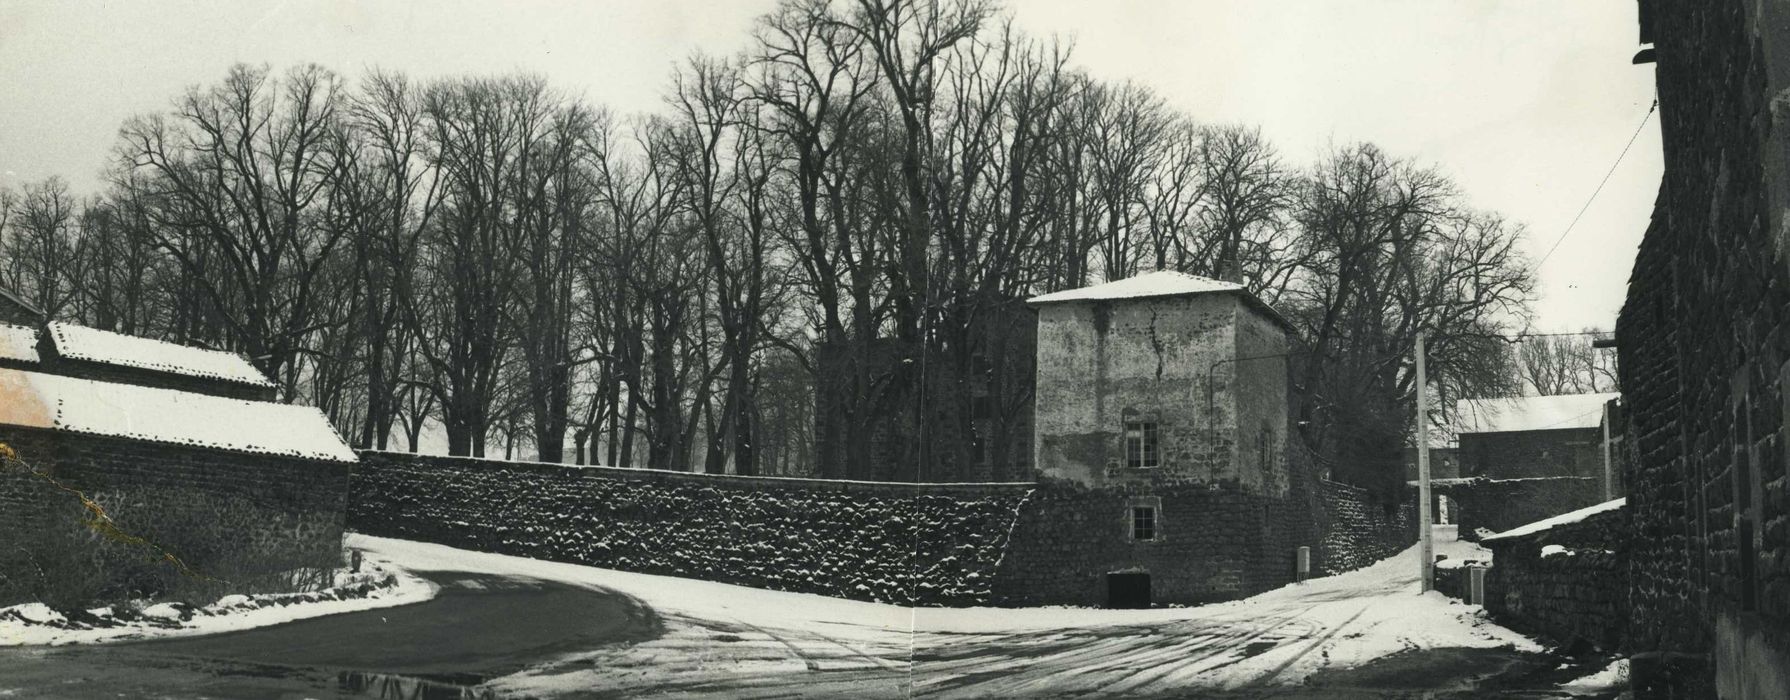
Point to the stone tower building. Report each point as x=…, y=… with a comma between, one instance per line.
x=1162, y=378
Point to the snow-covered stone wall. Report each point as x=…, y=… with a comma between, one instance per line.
x=920, y=544
x=1566, y=582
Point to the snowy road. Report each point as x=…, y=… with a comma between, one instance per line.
x=722, y=640
x=1363, y=634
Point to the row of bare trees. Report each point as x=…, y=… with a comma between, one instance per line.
x=504, y=259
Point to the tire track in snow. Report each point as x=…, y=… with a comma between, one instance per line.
x=1318, y=643
x=1138, y=661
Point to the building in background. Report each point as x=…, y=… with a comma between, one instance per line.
x=1525, y=458
x=15, y=310
x=1532, y=436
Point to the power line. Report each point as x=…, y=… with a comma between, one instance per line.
x=1520, y=337
x=1600, y=185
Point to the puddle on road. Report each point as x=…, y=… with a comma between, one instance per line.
x=390, y=686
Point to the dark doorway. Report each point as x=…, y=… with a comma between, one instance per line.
x=1128, y=591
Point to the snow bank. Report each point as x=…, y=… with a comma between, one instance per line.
x=1612, y=677
x=38, y=400
x=381, y=586
x=1558, y=520
x=95, y=345
x=18, y=343
x=665, y=594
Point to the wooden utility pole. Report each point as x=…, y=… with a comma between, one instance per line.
x=1425, y=550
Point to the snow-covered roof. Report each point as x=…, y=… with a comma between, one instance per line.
x=95, y=345
x=54, y=402
x=1162, y=283
x=18, y=343
x=1558, y=520
x=1563, y=412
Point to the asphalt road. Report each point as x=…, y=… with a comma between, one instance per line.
x=479, y=627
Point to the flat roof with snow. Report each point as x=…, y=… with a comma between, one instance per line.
x=54, y=402
x=18, y=343
x=1524, y=413
x=1162, y=283
x=94, y=345
x=1159, y=284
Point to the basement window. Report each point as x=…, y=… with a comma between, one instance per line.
x=1140, y=444
x=1143, y=523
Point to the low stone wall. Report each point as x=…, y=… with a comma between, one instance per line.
x=1574, y=596
x=1489, y=506
x=909, y=544
x=240, y=523
x=1358, y=530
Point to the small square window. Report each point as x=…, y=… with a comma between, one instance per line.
x=1143, y=522
x=1141, y=444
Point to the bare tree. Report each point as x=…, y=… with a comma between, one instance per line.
x=40, y=249
x=1387, y=250
x=240, y=173
x=1567, y=364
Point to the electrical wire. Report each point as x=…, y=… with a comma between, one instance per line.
x=1600, y=185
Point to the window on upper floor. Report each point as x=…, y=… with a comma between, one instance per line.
x=1141, y=448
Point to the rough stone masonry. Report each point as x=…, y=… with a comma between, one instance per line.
x=1704, y=358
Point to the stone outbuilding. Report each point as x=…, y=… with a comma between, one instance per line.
x=179, y=446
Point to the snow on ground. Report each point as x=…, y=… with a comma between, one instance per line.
x=730, y=640
x=37, y=624
x=1612, y=677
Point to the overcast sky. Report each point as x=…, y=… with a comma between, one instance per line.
x=1526, y=104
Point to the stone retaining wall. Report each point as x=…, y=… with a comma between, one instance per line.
x=919, y=544
x=1358, y=530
